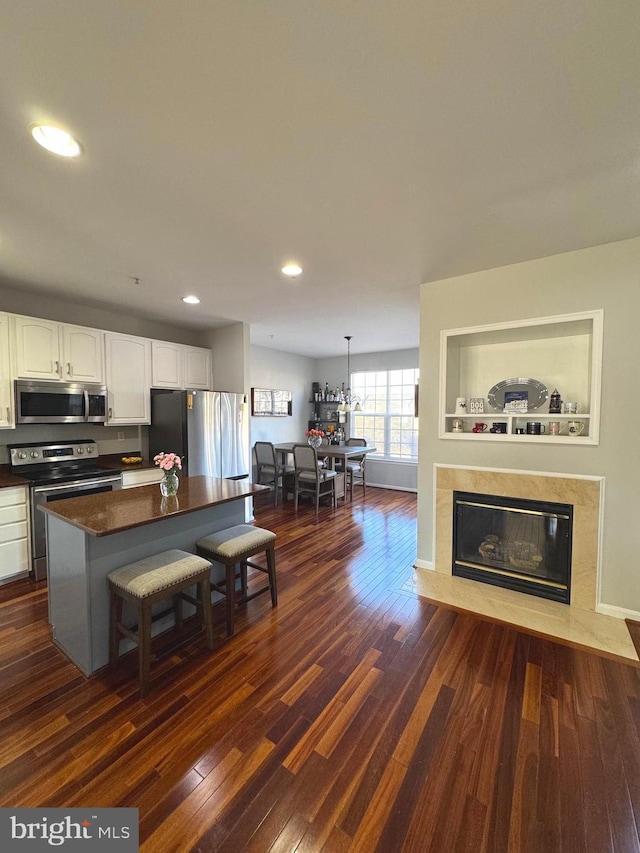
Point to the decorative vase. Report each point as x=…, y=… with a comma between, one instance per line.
x=169, y=505
x=169, y=484
x=315, y=441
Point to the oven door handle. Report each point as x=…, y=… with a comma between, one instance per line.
x=78, y=486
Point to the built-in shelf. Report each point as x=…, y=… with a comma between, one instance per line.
x=563, y=352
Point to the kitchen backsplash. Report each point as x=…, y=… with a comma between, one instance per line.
x=134, y=438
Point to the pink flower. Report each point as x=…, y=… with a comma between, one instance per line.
x=168, y=461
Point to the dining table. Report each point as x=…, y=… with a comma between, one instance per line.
x=332, y=452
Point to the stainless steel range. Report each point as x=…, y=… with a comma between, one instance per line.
x=57, y=471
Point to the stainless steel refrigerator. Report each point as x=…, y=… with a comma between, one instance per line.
x=209, y=429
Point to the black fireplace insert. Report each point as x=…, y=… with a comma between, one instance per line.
x=524, y=545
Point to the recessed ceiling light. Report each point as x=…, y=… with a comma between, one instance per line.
x=191, y=300
x=56, y=140
x=292, y=270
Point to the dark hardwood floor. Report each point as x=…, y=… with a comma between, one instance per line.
x=355, y=716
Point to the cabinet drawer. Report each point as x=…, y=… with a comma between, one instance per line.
x=14, y=558
x=9, y=532
x=13, y=495
x=11, y=514
x=141, y=478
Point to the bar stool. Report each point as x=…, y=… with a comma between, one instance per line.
x=233, y=547
x=156, y=578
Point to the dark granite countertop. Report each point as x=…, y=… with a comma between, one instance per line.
x=114, y=461
x=113, y=512
x=7, y=479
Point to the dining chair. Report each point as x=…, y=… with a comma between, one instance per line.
x=355, y=469
x=309, y=478
x=270, y=472
x=323, y=462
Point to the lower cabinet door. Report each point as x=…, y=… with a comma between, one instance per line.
x=14, y=558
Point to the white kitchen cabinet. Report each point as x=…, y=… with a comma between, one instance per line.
x=197, y=368
x=49, y=350
x=7, y=411
x=37, y=348
x=141, y=477
x=82, y=354
x=128, y=364
x=166, y=364
x=178, y=366
x=14, y=533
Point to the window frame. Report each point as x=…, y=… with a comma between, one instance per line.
x=358, y=383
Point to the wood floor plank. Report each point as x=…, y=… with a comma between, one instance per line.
x=355, y=716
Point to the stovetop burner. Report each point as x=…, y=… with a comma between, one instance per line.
x=63, y=474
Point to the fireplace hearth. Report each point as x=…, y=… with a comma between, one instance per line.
x=524, y=545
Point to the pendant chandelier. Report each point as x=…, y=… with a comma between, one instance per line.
x=349, y=402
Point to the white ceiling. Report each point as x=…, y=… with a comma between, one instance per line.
x=380, y=144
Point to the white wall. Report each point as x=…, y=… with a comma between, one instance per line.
x=605, y=277
x=274, y=369
x=15, y=300
x=231, y=357
x=334, y=370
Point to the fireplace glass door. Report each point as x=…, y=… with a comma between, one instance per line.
x=519, y=544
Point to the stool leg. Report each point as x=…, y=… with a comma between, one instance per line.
x=231, y=598
x=115, y=616
x=271, y=565
x=177, y=611
x=207, y=616
x=144, y=646
x=243, y=578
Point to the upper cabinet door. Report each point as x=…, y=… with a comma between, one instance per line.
x=6, y=379
x=128, y=379
x=166, y=364
x=83, y=354
x=197, y=368
x=37, y=348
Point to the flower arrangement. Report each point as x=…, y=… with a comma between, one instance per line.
x=318, y=433
x=168, y=462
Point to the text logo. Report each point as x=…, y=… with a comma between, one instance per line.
x=38, y=829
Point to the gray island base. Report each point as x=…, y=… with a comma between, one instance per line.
x=89, y=537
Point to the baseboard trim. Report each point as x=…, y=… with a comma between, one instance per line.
x=618, y=612
x=424, y=564
x=391, y=488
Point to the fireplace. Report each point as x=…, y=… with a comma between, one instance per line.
x=524, y=545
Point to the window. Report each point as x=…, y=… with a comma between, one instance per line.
x=388, y=421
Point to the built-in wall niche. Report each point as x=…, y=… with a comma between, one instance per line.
x=270, y=403
x=563, y=352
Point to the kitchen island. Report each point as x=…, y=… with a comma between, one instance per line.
x=88, y=537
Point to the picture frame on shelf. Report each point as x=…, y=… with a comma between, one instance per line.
x=476, y=406
x=516, y=402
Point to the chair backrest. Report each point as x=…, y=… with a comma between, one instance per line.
x=265, y=453
x=305, y=458
x=356, y=442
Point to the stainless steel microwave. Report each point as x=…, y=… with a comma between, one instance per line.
x=60, y=403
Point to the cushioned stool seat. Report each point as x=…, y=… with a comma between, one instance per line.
x=156, y=578
x=232, y=547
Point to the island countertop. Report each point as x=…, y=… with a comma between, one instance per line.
x=112, y=512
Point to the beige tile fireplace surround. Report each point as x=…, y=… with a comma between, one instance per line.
x=577, y=622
